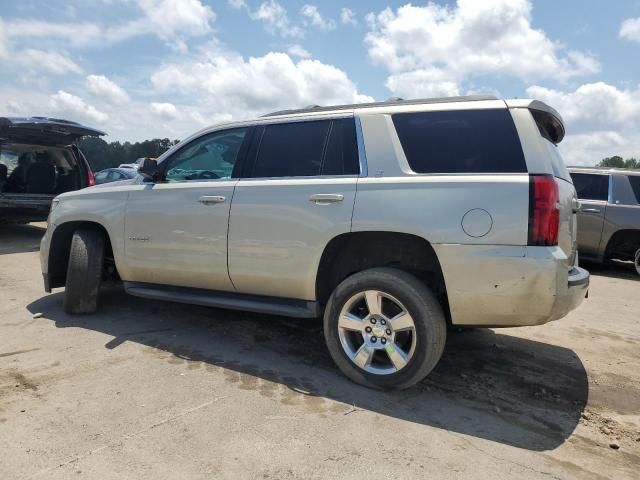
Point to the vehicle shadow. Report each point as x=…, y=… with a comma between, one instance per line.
x=489, y=385
x=20, y=238
x=613, y=268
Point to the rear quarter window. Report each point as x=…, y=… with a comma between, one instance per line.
x=460, y=141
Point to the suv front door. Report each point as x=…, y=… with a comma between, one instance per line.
x=176, y=229
x=297, y=193
x=593, y=193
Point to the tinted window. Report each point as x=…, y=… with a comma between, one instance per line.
x=590, y=186
x=102, y=175
x=463, y=141
x=208, y=157
x=341, y=156
x=634, y=180
x=291, y=149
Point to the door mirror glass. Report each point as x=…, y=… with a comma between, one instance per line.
x=149, y=169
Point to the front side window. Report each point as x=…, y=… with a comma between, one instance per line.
x=591, y=186
x=460, y=141
x=209, y=157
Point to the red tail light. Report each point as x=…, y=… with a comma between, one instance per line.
x=544, y=210
x=90, y=178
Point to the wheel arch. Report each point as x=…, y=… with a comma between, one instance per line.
x=60, y=247
x=623, y=244
x=353, y=252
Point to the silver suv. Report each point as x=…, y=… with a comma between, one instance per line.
x=393, y=220
x=609, y=216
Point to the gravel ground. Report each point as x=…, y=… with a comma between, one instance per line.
x=147, y=389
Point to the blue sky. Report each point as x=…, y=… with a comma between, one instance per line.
x=145, y=68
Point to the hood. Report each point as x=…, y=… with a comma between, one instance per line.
x=128, y=181
x=43, y=130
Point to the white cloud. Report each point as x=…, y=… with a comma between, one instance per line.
x=593, y=105
x=601, y=121
x=229, y=84
x=73, y=33
x=276, y=19
x=173, y=20
x=298, y=51
x=4, y=41
x=348, y=16
x=237, y=4
x=74, y=108
x=30, y=61
x=165, y=110
x=630, y=29
x=55, y=63
x=107, y=89
x=472, y=39
x=314, y=18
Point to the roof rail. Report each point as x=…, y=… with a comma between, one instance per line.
x=391, y=102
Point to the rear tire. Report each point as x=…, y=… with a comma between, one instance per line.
x=84, y=272
x=411, y=322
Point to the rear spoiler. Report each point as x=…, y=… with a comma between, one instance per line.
x=548, y=120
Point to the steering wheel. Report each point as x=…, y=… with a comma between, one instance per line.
x=208, y=175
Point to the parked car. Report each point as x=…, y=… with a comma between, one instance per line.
x=109, y=175
x=135, y=165
x=609, y=218
x=393, y=220
x=38, y=161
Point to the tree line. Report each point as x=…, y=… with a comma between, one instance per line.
x=619, y=162
x=101, y=154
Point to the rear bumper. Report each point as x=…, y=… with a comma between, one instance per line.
x=577, y=290
x=509, y=286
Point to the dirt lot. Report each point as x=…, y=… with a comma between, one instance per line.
x=158, y=390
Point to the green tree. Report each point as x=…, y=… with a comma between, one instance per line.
x=101, y=154
x=612, y=162
x=618, y=162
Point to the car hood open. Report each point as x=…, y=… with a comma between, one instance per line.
x=43, y=130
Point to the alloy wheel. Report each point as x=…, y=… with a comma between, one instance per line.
x=377, y=332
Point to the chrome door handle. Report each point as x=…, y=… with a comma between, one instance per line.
x=210, y=199
x=575, y=206
x=326, y=198
x=592, y=210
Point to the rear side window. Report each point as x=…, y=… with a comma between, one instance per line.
x=305, y=149
x=634, y=180
x=460, y=141
x=590, y=186
x=341, y=156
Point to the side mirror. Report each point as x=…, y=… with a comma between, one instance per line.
x=149, y=169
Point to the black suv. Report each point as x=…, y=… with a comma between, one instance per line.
x=38, y=161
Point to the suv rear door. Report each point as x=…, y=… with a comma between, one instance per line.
x=593, y=193
x=296, y=194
